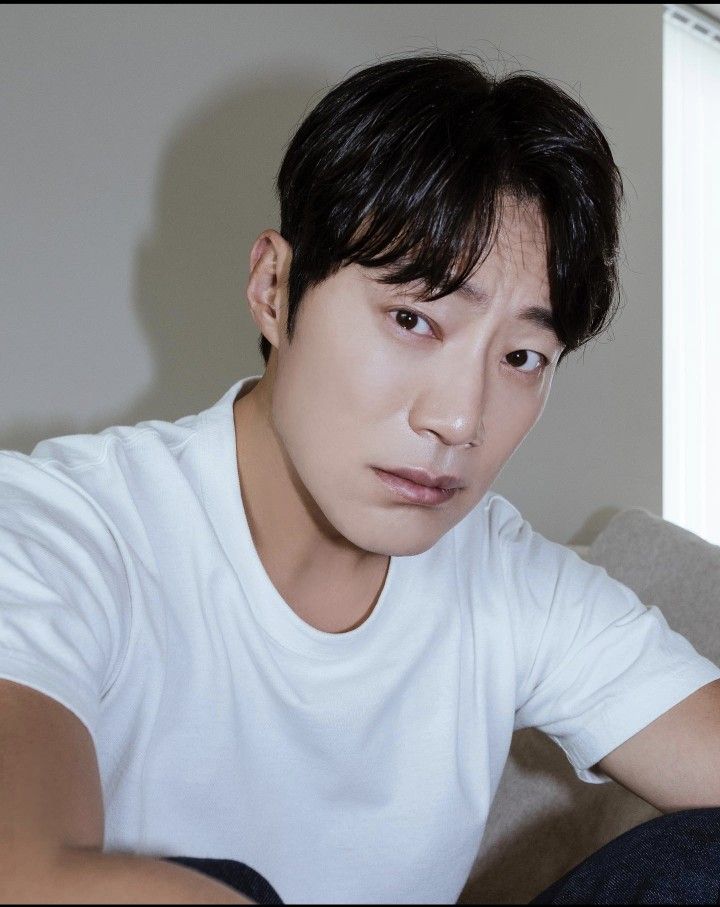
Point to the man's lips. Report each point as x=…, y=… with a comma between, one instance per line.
x=422, y=476
x=413, y=491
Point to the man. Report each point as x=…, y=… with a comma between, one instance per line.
x=296, y=631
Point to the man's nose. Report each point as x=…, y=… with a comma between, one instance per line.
x=453, y=411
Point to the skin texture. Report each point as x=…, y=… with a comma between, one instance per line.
x=363, y=386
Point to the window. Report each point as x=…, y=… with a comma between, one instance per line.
x=691, y=271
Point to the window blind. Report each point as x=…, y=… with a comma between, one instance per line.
x=691, y=271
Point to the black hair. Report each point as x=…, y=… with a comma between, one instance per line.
x=404, y=166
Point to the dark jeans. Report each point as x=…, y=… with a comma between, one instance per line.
x=237, y=875
x=672, y=859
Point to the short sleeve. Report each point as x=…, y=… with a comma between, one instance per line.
x=64, y=596
x=596, y=665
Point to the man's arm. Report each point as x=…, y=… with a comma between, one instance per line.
x=674, y=762
x=51, y=819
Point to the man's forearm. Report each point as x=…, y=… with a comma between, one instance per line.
x=90, y=877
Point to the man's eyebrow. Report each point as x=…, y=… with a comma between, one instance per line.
x=535, y=314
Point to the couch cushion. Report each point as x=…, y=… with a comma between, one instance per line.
x=667, y=566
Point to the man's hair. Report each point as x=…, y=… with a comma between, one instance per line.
x=404, y=167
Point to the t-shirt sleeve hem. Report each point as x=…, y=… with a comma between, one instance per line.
x=627, y=716
x=53, y=684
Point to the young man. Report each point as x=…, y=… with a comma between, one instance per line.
x=244, y=636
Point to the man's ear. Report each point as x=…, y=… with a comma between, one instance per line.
x=270, y=258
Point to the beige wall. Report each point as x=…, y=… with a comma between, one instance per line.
x=139, y=150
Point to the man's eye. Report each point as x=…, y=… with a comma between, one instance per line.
x=521, y=357
x=409, y=319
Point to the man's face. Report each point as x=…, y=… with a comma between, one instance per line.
x=376, y=378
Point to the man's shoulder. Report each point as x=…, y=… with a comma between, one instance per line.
x=89, y=478
x=76, y=452
x=497, y=527
x=494, y=518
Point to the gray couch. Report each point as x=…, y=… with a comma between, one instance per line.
x=544, y=820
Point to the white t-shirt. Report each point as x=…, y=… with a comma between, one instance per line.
x=346, y=768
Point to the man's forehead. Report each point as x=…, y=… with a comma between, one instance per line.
x=538, y=314
x=474, y=293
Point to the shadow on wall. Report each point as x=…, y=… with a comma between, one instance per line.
x=593, y=526
x=214, y=194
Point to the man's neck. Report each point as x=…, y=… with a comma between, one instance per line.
x=329, y=583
